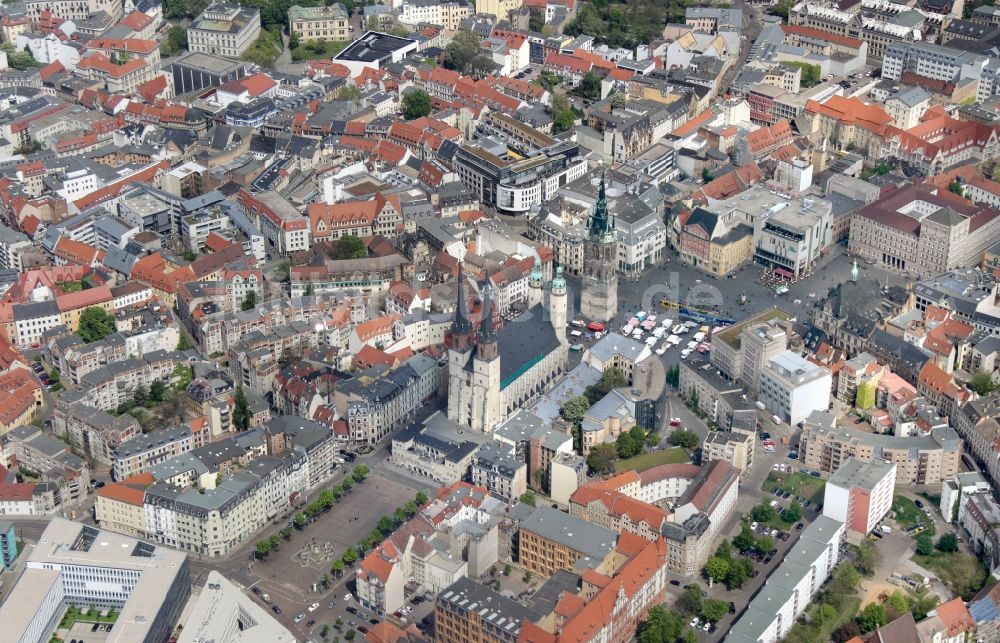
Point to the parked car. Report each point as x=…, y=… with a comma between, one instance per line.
x=299, y=617
x=311, y=622
x=276, y=609
x=919, y=504
x=314, y=607
x=352, y=610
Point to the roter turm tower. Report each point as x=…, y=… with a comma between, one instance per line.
x=599, y=296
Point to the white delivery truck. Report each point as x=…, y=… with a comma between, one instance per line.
x=685, y=353
x=699, y=337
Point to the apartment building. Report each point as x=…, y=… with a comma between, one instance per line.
x=921, y=459
x=859, y=494
x=454, y=536
x=52, y=460
x=94, y=432
x=447, y=14
x=792, y=387
x=979, y=516
x=224, y=29
x=550, y=540
x=134, y=456
x=789, y=590
x=735, y=448
x=468, y=611
x=319, y=23
x=211, y=499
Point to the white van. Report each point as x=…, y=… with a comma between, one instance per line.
x=685, y=353
x=692, y=345
x=776, y=419
x=651, y=341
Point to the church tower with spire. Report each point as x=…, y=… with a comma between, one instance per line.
x=599, y=297
x=459, y=343
x=486, y=370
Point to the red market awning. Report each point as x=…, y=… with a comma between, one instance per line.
x=784, y=272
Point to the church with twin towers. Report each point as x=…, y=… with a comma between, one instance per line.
x=496, y=366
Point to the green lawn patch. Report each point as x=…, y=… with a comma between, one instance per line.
x=645, y=461
x=93, y=615
x=266, y=48
x=908, y=514
x=316, y=49
x=962, y=573
x=797, y=484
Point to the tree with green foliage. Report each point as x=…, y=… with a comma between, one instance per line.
x=737, y=575
x=589, y=87
x=184, y=344
x=386, y=525
x=781, y=8
x=600, y=458
x=793, y=514
x=869, y=558
x=716, y=569
x=421, y=498
x=744, y=540
x=21, y=60
x=348, y=246
x=349, y=91
x=764, y=544
x=262, y=548
x=982, y=383
x=360, y=472
x=176, y=41
x=714, y=610
x=674, y=376
x=241, y=409
x=294, y=40
x=575, y=409
x=157, y=391
x=652, y=439
x=347, y=483
x=563, y=122
x=95, y=324
x=626, y=446
x=416, y=104
x=337, y=567
x=464, y=54
x=661, y=626
x=528, y=498
x=898, y=603
x=141, y=395
x=625, y=25
x=706, y=175
x=872, y=617
x=684, y=439
x=811, y=74
x=691, y=598
x=350, y=556
x=250, y=301
x=762, y=512
x=957, y=188
x=948, y=543
x=925, y=545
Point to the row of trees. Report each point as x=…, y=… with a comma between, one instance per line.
x=386, y=525
x=323, y=502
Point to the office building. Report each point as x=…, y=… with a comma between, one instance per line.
x=859, y=494
x=224, y=613
x=8, y=543
x=792, y=387
x=78, y=565
x=196, y=70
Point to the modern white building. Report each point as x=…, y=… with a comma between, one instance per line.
x=223, y=613
x=956, y=486
x=76, y=564
x=792, y=586
x=859, y=493
x=791, y=242
x=792, y=387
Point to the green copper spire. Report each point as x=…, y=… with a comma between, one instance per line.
x=600, y=221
